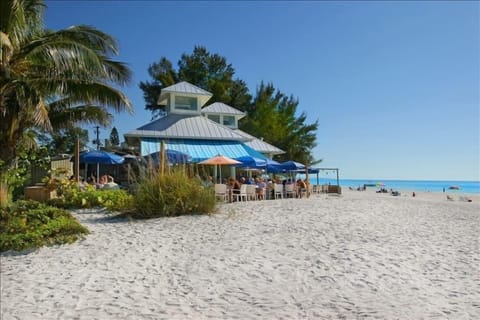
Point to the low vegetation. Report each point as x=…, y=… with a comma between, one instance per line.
x=171, y=194
x=71, y=196
x=154, y=195
x=30, y=224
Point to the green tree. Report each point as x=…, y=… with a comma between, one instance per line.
x=272, y=116
x=50, y=80
x=163, y=75
x=201, y=68
x=63, y=140
x=114, y=139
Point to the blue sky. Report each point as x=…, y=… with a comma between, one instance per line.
x=394, y=85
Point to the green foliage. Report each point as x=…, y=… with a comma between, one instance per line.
x=273, y=116
x=45, y=92
x=114, y=139
x=209, y=71
x=29, y=224
x=63, y=140
x=17, y=178
x=171, y=194
x=72, y=196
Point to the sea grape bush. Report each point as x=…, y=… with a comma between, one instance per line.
x=72, y=196
x=30, y=224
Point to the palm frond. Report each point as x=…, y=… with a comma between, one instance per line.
x=77, y=92
x=53, y=79
x=40, y=115
x=62, y=118
x=21, y=19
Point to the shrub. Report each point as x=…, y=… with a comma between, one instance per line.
x=30, y=224
x=71, y=196
x=171, y=194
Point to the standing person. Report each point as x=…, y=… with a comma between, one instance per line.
x=301, y=187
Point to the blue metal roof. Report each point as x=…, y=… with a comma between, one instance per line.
x=200, y=150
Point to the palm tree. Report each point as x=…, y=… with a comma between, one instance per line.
x=51, y=80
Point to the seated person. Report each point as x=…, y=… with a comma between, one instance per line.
x=111, y=185
x=208, y=181
x=261, y=186
x=101, y=182
x=234, y=184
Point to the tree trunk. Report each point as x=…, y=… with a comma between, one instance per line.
x=7, y=163
x=3, y=190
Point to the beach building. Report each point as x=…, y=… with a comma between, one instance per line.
x=201, y=132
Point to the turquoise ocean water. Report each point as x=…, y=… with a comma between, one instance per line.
x=412, y=185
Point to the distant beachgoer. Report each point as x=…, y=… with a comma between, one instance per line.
x=413, y=194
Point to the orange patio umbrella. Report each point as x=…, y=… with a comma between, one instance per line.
x=220, y=160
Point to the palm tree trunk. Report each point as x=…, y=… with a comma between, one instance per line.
x=6, y=165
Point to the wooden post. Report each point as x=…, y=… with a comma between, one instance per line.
x=162, y=158
x=338, y=183
x=77, y=160
x=308, y=181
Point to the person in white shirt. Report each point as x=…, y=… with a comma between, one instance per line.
x=110, y=185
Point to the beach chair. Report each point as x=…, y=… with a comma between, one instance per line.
x=242, y=193
x=278, y=190
x=251, y=192
x=221, y=192
x=290, y=190
x=466, y=199
x=310, y=189
x=261, y=194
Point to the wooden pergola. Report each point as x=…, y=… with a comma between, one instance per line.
x=317, y=170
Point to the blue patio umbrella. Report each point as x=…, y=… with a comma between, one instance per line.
x=292, y=166
x=100, y=157
x=252, y=162
x=273, y=166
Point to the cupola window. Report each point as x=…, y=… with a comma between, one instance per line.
x=186, y=103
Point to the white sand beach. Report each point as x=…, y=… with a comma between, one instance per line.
x=360, y=255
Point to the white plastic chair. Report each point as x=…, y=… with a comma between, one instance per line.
x=278, y=190
x=242, y=194
x=221, y=191
x=251, y=192
x=290, y=190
